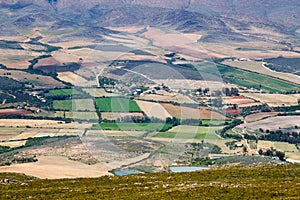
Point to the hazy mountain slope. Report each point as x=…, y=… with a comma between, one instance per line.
x=214, y=16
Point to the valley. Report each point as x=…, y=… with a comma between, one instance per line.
x=90, y=89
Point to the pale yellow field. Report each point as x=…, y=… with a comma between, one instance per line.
x=260, y=68
x=99, y=92
x=109, y=133
x=274, y=99
x=13, y=144
x=153, y=110
x=83, y=105
x=273, y=123
x=39, y=124
x=25, y=135
x=56, y=167
x=179, y=98
x=18, y=59
x=129, y=29
x=73, y=78
x=264, y=49
x=259, y=116
x=77, y=115
x=184, y=84
x=280, y=146
x=116, y=116
x=250, y=104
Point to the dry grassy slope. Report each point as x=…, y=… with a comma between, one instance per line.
x=262, y=182
x=282, y=12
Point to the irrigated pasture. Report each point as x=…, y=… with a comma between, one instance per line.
x=190, y=132
x=133, y=126
x=64, y=92
x=259, y=67
x=77, y=115
x=257, y=81
x=75, y=105
x=117, y=105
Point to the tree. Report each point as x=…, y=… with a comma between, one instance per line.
x=260, y=152
x=280, y=155
x=217, y=102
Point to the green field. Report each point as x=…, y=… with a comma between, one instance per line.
x=77, y=115
x=254, y=80
x=75, y=105
x=64, y=92
x=234, y=182
x=190, y=132
x=209, y=122
x=117, y=105
x=133, y=126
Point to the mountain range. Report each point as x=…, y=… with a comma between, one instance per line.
x=218, y=16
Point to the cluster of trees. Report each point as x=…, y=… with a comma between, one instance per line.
x=223, y=133
x=104, y=81
x=230, y=91
x=287, y=108
x=253, y=109
x=272, y=152
x=279, y=136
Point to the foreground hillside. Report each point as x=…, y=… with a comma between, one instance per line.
x=259, y=182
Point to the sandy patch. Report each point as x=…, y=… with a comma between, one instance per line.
x=56, y=167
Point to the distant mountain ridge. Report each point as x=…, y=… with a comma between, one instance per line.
x=185, y=15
